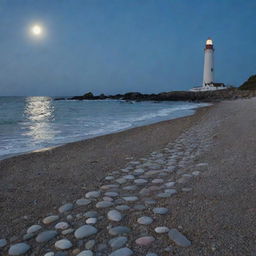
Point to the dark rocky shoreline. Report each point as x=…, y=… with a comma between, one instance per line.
x=206, y=96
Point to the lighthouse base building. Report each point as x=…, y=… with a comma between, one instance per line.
x=208, y=77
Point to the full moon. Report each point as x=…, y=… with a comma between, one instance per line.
x=36, y=30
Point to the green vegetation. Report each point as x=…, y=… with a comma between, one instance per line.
x=250, y=84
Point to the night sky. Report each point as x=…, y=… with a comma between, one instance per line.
x=116, y=46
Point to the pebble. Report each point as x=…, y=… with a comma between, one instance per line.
x=109, y=177
x=169, y=184
x=104, y=204
x=145, y=240
x=139, y=207
x=67, y=231
x=85, y=231
x=91, y=214
x=28, y=236
x=145, y=192
x=145, y=220
x=132, y=187
x=83, y=201
x=140, y=181
x=33, y=229
x=91, y=221
x=139, y=171
x=196, y=173
x=49, y=254
x=123, y=207
x=69, y=217
x=85, y=253
x=116, y=231
x=50, y=219
x=186, y=189
x=90, y=244
x=122, y=252
x=164, y=194
x=106, y=198
x=121, y=180
x=151, y=254
x=63, y=244
x=92, y=194
x=178, y=238
x=130, y=198
x=118, y=242
x=129, y=177
x=149, y=201
x=61, y=225
x=19, y=249
x=161, y=230
x=172, y=191
x=157, y=181
x=160, y=210
x=114, y=215
x=46, y=236
x=66, y=207
x=111, y=194
x=3, y=243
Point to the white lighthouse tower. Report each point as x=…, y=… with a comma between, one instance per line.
x=208, y=78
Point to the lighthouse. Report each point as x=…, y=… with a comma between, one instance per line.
x=208, y=78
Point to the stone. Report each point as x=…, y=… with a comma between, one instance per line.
x=123, y=207
x=121, y=180
x=169, y=184
x=196, y=173
x=139, y=171
x=63, y=244
x=171, y=191
x=92, y=194
x=85, y=253
x=145, y=220
x=111, y=194
x=164, y=195
x=49, y=254
x=140, y=181
x=33, y=229
x=145, y=240
x=91, y=214
x=69, y=217
x=46, y=236
x=66, y=207
x=67, y=231
x=139, y=207
x=19, y=249
x=83, y=201
x=122, y=252
x=161, y=230
x=3, y=243
x=118, y=242
x=144, y=192
x=130, y=188
x=157, y=181
x=61, y=225
x=129, y=177
x=85, y=231
x=186, y=189
x=119, y=230
x=108, y=199
x=151, y=254
x=149, y=201
x=130, y=198
x=104, y=204
x=114, y=215
x=160, y=210
x=61, y=254
x=109, y=177
x=28, y=236
x=90, y=244
x=178, y=238
x=102, y=247
x=50, y=219
x=91, y=221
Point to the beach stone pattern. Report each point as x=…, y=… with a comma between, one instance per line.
x=126, y=213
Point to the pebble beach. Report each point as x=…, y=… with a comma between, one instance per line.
x=178, y=187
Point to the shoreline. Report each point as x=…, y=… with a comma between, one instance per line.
x=37, y=181
x=8, y=156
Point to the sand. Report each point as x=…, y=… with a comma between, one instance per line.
x=218, y=216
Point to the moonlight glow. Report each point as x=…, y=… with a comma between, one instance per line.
x=36, y=30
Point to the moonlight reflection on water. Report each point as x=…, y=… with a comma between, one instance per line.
x=39, y=113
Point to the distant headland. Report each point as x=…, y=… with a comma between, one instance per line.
x=246, y=90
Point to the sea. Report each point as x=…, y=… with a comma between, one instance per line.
x=33, y=123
